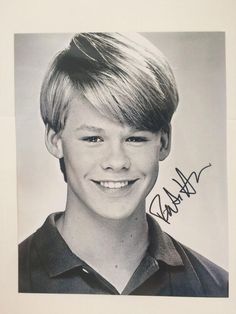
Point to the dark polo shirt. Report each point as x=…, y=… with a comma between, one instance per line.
x=47, y=265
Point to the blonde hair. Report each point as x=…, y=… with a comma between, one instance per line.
x=123, y=76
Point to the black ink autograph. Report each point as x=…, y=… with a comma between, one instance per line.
x=186, y=188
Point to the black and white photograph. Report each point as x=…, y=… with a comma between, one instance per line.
x=121, y=163
x=117, y=164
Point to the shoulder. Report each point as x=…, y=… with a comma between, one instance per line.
x=35, y=253
x=213, y=278
x=24, y=253
x=24, y=246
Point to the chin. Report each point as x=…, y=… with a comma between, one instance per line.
x=115, y=213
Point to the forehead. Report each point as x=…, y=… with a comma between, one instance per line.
x=83, y=116
x=83, y=107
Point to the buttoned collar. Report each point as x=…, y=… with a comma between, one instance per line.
x=161, y=245
x=58, y=258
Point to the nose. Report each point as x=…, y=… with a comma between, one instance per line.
x=116, y=158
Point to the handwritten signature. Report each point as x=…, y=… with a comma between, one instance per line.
x=186, y=188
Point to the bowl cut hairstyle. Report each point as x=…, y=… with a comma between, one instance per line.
x=123, y=76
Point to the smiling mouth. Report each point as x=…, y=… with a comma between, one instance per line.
x=115, y=184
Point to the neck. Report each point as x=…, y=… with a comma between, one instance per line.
x=106, y=244
x=115, y=237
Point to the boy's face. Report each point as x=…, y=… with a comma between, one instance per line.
x=110, y=167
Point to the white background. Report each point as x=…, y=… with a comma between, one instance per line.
x=51, y=16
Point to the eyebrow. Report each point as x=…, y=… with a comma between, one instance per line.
x=89, y=128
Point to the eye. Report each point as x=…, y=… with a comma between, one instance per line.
x=136, y=139
x=92, y=139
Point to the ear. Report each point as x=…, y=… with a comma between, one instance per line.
x=53, y=143
x=165, y=143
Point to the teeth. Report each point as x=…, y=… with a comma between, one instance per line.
x=114, y=185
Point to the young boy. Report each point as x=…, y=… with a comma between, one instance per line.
x=107, y=103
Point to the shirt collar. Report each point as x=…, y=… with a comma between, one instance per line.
x=53, y=250
x=58, y=258
x=161, y=245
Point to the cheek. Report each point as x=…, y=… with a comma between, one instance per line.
x=148, y=159
x=152, y=170
x=79, y=160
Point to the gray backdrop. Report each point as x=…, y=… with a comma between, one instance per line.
x=198, y=137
